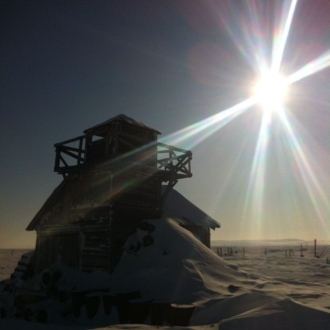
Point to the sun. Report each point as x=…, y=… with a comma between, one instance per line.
x=270, y=91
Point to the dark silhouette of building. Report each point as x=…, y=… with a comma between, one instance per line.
x=114, y=176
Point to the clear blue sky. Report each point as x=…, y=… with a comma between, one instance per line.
x=68, y=65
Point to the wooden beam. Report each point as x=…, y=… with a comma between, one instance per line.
x=72, y=149
x=70, y=140
x=72, y=155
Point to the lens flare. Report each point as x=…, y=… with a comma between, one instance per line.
x=271, y=91
x=314, y=66
x=262, y=40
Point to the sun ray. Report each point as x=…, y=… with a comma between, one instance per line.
x=250, y=45
x=196, y=133
x=255, y=51
x=230, y=175
x=310, y=68
x=271, y=87
x=255, y=40
x=280, y=41
x=313, y=186
x=256, y=186
x=254, y=48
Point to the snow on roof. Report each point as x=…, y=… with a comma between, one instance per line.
x=179, y=208
x=123, y=119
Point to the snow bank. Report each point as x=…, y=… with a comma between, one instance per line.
x=175, y=268
x=165, y=263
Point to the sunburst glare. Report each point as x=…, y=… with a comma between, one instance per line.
x=313, y=186
x=255, y=192
x=194, y=134
x=312, y=67
x=270, y=91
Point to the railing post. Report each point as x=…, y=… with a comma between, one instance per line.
x=80, y=149
x=57, y=159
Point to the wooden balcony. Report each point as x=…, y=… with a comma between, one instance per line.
x=114, y=151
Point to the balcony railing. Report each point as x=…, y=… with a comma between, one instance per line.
x=174, y=160
x=74, y=154
x=70, y=154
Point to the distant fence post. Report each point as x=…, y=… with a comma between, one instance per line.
x=219, y=251
x=315, y=248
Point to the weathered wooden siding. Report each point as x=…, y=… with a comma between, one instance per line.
x=137, y=190
x=88, y=197
x=95, y=249
x=57, y=246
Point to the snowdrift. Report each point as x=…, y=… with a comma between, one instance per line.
x=164, y=265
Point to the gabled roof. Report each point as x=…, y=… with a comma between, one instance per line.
x=38, y=217
x=176, y=206
x=186, y=213
x=121, y=119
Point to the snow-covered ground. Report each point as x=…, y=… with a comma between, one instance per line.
x=252, y=289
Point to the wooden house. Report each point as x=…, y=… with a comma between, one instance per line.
x=115, y=175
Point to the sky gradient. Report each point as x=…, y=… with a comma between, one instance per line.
x=186, y=69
